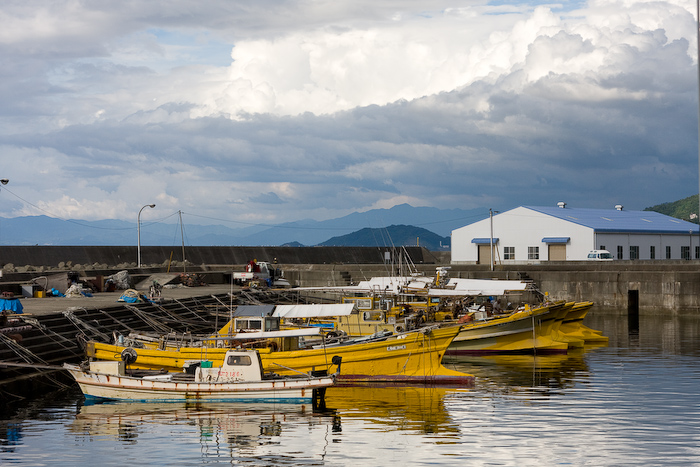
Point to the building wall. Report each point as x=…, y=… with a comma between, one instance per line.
x=644, y=242
x=521, y=228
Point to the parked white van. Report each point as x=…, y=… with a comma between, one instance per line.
x=599, y=255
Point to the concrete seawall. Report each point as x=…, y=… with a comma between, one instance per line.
x=661, y=286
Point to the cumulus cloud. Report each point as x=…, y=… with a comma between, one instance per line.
x=278, y=111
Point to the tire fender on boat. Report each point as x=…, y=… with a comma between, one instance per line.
x=129, y=355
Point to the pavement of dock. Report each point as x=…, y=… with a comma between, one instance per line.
x=49, y=305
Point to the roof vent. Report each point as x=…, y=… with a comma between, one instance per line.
x=618, y=207
x=561, y=204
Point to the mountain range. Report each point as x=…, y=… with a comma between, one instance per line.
x=400, y=225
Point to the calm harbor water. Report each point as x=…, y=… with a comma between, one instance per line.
x=635, y=401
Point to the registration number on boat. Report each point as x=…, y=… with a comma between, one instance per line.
x=396, y=347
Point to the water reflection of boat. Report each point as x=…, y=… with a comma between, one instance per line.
x=573, y=326
x=123, y=421
x=420, y=408
x=509, y=372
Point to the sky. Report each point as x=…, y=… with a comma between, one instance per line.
x=255, y=113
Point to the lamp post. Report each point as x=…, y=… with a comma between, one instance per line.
x=138, y=229
x=4, y=181
x=491, y=240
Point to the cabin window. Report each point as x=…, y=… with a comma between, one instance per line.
x=619, y=252
x=634, y=252
x=668, y=252
x=685, y=252
x=372, y=316
x=361, y=303
x=508, y=252
x=272, y=324
x=239, y=360
x=533, y=252
x=652, y=252
x=249, y=324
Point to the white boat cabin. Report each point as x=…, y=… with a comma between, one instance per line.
x=239, y=365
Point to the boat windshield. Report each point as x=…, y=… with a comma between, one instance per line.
x=238, y=360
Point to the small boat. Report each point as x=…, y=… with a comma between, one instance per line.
x=239, y=378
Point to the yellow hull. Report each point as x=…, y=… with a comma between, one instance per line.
x=573, y=325
x=525, y=331
x=573, y=342
x=413, y=357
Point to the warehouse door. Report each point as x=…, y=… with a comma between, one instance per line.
x=557, y=252
x=485, y=254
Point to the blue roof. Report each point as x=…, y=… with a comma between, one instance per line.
x=486, y=240
x=556, y=239
x=613, y=220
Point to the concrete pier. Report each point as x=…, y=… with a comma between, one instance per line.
x=662, y=286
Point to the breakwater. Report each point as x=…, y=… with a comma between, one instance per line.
x=660, y=286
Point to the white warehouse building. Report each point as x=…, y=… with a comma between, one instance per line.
x=560, y=233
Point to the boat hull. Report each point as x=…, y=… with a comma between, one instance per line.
x=523, y=332
x=413, y=357
x=573, y=325
x=114, y=387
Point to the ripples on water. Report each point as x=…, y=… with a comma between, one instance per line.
x=633, y=402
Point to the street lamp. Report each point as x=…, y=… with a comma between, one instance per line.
x=4, y=181
x=138, y=228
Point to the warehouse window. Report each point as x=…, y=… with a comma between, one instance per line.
x=533, y=252
x=697, y=252
x=508, y=252
x=619, y=251
x=652, y=252
x=668, y=252
x=634, y=252
x=685, y=252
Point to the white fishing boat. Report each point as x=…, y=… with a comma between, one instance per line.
x=239, y=378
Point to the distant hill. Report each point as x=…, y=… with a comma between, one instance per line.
x=44, y=230
x=310, y=232
x=686, y=209
x=394, y=235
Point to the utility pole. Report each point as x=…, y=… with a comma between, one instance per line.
x=491, y=239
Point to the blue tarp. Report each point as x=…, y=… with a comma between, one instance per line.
x=11, y=304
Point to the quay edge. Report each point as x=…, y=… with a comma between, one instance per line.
x=662, y=286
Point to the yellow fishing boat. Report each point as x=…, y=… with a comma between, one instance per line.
x=411, y=357
x=528, y=330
